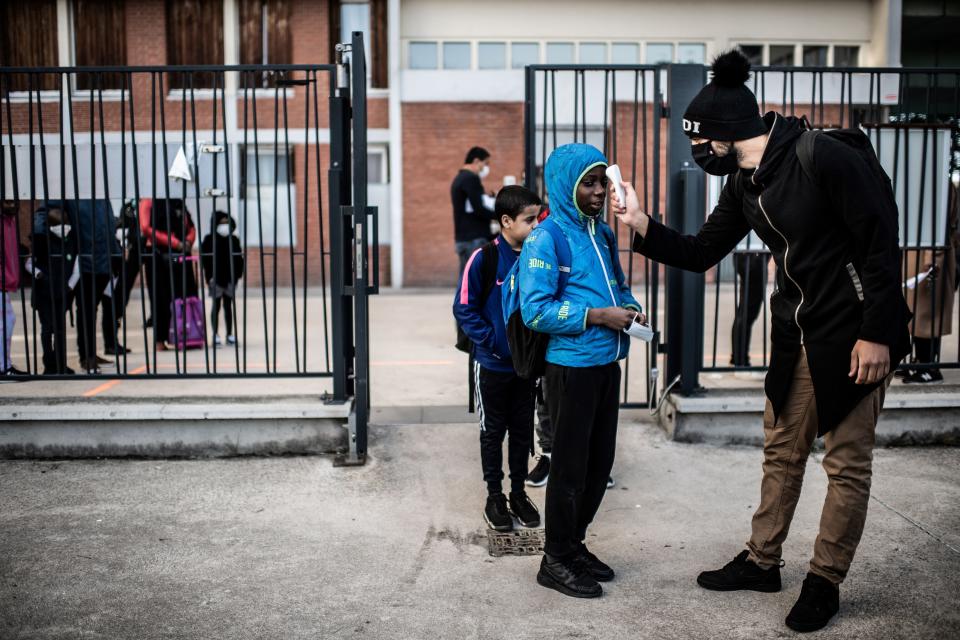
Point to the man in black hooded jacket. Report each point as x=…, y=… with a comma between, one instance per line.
x=838, y=315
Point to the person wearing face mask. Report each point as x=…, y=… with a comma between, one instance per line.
x=471, y=215
x=53, y=255
x=582, y=375
x=838, y=315
x=222, y=258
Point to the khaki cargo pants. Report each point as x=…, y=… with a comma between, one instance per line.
x=847, y=461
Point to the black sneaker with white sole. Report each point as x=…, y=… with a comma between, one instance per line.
x=497, y=514
x=610, y=482
x=568, y=577
x=523, y=508
x=540, y=473
x=741, y=574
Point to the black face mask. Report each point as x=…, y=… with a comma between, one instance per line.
x=713, y=164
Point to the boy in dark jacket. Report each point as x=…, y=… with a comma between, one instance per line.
x=54, y=255
x=222, y=259
x=838, y=314
x=505, y=401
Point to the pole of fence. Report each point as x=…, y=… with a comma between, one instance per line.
x=686, y=204
x=339, y=193
x=530, y=122
x=361, y=405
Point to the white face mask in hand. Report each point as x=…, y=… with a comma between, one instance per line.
x=60, y=230
x=223, y=230
x=484, y=172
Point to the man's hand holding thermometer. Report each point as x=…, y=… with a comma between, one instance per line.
x=625, y=203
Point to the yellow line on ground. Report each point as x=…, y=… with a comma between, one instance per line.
x=110, y=384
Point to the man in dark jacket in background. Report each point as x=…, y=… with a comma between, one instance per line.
x=839, y=318
x=94, y=223
x=471, y=216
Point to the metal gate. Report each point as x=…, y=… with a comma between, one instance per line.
x=912, y=116
x=116, y=175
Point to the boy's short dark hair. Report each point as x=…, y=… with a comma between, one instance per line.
x=476, y=153
x=514, y=199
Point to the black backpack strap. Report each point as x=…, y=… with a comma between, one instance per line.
x=805, y=152
x=488, y=270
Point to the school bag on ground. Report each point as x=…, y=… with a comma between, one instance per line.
x=187, y=325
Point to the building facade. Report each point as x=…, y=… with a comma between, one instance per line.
x=443, y=75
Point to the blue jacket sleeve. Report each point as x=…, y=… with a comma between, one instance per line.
x=626, y=296
x=466, y=304
x=538, y=276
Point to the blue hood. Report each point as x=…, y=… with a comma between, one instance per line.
x=565, y=169
x=596, y=279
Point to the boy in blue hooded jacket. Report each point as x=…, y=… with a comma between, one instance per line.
x=505, y=401
x=582, y=375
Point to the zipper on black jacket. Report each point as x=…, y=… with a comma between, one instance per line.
x=786, y=269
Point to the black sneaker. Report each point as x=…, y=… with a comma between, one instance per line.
x=496, y=513
x=610, y=482
x=740, y=574
x=523, y=508
x=598, y=570
x=569, y=578
x=117, y=350
x=538, y=476
x=818, y=602
x=925, y=376
x=13, y=375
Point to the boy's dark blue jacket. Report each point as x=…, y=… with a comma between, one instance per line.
x=483, y=324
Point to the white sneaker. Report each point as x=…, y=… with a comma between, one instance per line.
x=216, y=340
x=231, y=340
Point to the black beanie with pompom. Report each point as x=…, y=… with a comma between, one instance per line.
x=725, y=110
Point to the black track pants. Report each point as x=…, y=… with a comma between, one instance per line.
x=505, y=403
x=584, y=403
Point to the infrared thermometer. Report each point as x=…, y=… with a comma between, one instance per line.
x=613, y=173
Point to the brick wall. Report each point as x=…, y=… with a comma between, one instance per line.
x=436, y=136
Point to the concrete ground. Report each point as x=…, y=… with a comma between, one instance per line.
x=294, y=548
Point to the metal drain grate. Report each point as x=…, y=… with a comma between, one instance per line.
x=519, y=542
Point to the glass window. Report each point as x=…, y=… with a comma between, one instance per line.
x=456, y=55
x=423, y=55
x=28, y=38
x=754, y=53
x=492, y=55
x=376, y=162
x=691, y=53
x=781, y=55
x=814, y=56
x=560, y=53
x=264, y=38
x=194, y=37
x=625, y=53
x=355, y=16
x=90, y=21
x=593, y=53
x=524, y=53
x=846, y=56
x=658, y=52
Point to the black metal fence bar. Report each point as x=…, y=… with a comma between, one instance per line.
x=89, y=184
